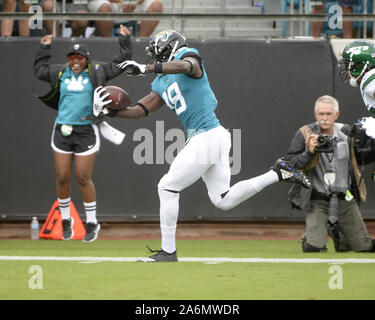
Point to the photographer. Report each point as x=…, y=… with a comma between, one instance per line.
x=330, y=157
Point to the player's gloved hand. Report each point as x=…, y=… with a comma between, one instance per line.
x=132, y=68
x=99, y=102
x=368, y=124
x=359, y=133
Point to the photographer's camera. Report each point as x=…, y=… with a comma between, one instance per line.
x=326, y=144
x=361, y=139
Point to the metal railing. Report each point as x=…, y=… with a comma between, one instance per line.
x=169, y=16
x=304, y=6
x=365, y=22
x=292, y=17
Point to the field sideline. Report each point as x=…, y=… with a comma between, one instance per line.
x=204, y=260
x=208, y=270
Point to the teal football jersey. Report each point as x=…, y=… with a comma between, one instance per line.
x=191, y=99
x=76, y=93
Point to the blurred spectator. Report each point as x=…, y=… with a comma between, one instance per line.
x=146, y=27
x=78, y=26
x=7, y=24
x=104, y=27
x=318, y=7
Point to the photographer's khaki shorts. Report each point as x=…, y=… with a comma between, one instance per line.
x=353, y=229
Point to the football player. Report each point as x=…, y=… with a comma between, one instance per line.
x=182, y=84
x=357, y=65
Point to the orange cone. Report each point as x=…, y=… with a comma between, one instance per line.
x=52, y=228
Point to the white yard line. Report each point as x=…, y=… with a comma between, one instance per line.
x=205, y=260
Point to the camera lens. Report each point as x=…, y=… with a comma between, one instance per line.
x=322, y=140
x=325, y=144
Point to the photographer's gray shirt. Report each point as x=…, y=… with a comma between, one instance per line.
x=337, y=162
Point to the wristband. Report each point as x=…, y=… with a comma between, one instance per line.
x=191, y=66
x=158, y=68
x=143, y=107
x=112, y=113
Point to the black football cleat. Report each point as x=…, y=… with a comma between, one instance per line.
x=92, y=230
x=67, y=226
x=290, y=174
x=160, y=256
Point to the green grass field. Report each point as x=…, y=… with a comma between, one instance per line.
x=183, y=280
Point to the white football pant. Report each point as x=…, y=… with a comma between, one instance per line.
x=206, y=156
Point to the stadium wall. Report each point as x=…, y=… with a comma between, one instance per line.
x=266, y=91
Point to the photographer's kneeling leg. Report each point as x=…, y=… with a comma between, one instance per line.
x=353, y=228
x=316, y=235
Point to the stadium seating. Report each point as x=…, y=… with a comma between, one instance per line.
x=295, y=28
x=198, y=28
x=358, y=25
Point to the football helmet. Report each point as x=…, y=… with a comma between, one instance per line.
x=163, y=46
x=357, y=58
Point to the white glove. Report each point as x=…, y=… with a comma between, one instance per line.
x=132, y=68
x=99, y=102
x=368, y=123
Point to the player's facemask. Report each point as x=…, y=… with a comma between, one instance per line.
x=357, y=58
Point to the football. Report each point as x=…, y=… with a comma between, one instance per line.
x=120, y=98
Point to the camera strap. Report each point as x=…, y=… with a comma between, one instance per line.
x=330, y=158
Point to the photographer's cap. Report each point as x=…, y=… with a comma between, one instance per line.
x=79, y=48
